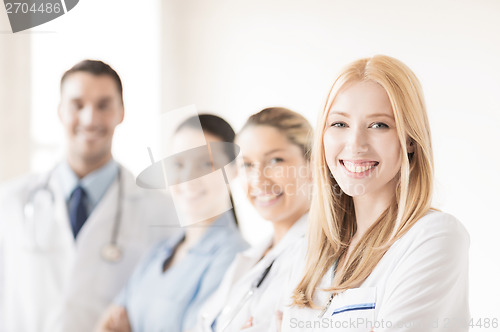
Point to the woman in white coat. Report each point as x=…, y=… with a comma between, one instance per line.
x=379, y=257
x=275, y=145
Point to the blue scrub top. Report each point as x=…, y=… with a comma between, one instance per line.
x=170, y=300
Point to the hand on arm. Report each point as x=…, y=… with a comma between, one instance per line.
x=115, y=319
x=248, y=324
x=279, y=320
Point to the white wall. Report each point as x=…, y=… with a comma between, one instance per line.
x=15, y=104
x=236, y=57
x=121, y=33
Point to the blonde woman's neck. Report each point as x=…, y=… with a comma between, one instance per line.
x=281, y=227
x=368, y=209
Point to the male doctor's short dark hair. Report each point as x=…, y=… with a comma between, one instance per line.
x=97, y=68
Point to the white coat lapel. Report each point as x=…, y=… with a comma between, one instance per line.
x=242, y=263
x=63, y=235
x=245, y=261
x=83, y=297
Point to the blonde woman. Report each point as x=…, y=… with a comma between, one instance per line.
x=275, y=145
x=379, y=257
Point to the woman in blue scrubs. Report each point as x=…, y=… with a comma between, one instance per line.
x=168, y=288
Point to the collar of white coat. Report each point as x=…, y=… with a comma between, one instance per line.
x=294, y=234
x=130, y=189
x=95, y=183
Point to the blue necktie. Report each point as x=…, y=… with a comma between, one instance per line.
x=77, y=209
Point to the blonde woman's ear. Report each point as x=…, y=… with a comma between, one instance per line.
x=410, y=146
x=309, y=165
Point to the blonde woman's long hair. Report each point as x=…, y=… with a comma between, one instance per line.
x=332, y=218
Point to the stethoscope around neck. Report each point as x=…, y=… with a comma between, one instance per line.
x=236, y=310
x=110, y=252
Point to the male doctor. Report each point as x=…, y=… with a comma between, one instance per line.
x=69, y=239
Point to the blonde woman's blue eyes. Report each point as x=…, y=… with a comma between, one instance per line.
x=379, y=125
x=276, y=161
x=338, y=125
x=272, y=161
x=376, y=125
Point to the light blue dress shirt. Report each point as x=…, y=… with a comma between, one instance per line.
x=95, y=184
x=170, y=301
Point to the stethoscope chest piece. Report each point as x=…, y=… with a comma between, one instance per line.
x=111, y=253
x=37, y=206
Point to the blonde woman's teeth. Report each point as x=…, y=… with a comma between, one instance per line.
x=356, y=168
x=265, y=198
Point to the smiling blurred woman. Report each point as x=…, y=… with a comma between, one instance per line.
x=275, y=145
x=168, y=288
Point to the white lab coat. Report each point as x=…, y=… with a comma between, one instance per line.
x=243, y=272
x=65, y=285
x=421, y=284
